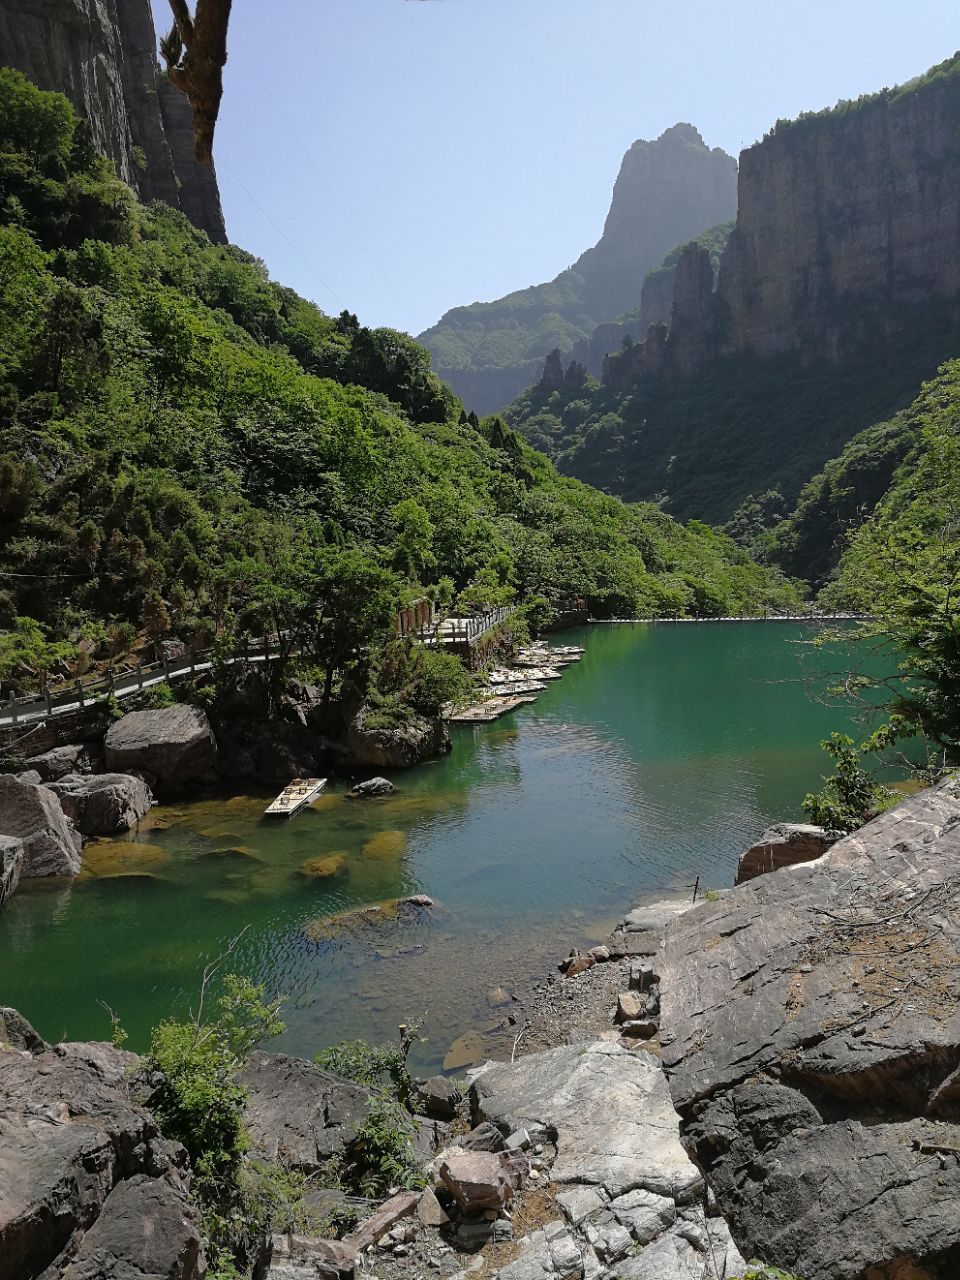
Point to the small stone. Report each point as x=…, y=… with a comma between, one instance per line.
x=502, y=1230
x=430, y=1212
x=600, y=954
x=579, y=965
x=640, y=1029
x=630, y=1006
x=519, y=1140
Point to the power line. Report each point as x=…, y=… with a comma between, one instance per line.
x=335, y=199
x=280, y=232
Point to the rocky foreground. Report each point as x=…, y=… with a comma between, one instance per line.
x=806, y=1110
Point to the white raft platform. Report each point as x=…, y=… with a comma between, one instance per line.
x=295, y=796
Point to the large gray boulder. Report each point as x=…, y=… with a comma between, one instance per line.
x=33, y=815
x=103, y=803
x=52, y=765
x=375, y=748
x=811, y=1035
x=783, y=845
x=88, y=1187
x=11, y=864
x=175, y=745
x=297, y=1113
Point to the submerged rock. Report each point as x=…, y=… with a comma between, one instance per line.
x=783, y=845
x=811, y=1035
x=32, y=814
x=324, y=868
x=175, y=745
x=372, y=787
x=104, y=803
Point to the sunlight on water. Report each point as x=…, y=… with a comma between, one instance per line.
x=655, y=760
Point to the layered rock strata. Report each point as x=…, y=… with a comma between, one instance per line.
x=811, y=1036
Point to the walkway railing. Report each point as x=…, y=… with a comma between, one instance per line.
x=465, y=630
x=65, y=699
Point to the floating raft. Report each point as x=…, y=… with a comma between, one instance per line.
x=490, y=710
x=295, y=796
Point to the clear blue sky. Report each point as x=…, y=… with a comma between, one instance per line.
x=399, y=157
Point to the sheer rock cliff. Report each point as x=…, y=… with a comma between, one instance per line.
x=102, y=54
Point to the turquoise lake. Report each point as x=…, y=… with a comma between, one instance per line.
x=654, y=761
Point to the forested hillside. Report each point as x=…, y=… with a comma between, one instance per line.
x=888, y=509
x=837, y=294
x=191, y=450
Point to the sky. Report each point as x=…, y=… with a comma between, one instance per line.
x=400, y=157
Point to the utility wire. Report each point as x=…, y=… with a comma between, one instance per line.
x=280, y=232
x=334, y=198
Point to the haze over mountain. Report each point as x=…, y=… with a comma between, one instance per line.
x=667, y=191
x=837, y=293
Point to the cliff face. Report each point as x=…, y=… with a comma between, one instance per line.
x=847, y=222
x=102, y=55
x=667, y=191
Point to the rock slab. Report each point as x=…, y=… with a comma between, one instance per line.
x=11, y=864
x=783, y=845
x=175, y=745
x=811, y=1036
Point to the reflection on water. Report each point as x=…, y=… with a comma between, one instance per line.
x=651, y=763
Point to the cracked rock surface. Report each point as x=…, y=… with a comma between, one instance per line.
x=632, y=1203
x=811, y=1037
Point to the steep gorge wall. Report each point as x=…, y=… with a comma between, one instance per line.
x=102, y=55
x=848, y=222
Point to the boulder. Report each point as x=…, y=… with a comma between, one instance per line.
x=640, y=932
x=630, y=1006
x=105, y=803
x=372, y=787
x=33, y=815
x=419, y=739
x=146, y=1230
x=438, y=1098
x=11, y=864
x=55, y=764
x=298, y=1114
x=175, y=745
x=88, y=1187
x=783, y=845
x=811, y=1035
x=17, y=1033
x=479, y=1180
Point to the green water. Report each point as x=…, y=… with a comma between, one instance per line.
x=652, y=762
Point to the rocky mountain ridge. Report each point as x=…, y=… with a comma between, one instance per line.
x=847, y=220
x=667, y=190
x=102, y=54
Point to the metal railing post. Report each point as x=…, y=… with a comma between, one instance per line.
x=13, y=708
x=140, y=675
x=48, y=699
x=80, y=693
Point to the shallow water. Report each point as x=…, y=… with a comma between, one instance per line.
x=654, y=761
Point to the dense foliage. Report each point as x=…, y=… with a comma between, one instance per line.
x=902, y=564
x=706, y=442
x=188, y=449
